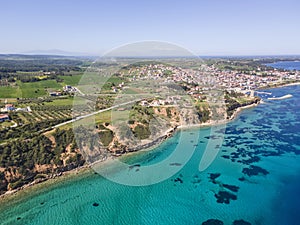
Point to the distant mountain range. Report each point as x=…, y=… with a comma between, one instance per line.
x=55, y=52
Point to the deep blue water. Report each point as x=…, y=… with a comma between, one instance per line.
x=255, y=177
x=289, y=65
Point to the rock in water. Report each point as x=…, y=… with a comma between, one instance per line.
x=213, y=222
x=241, y=222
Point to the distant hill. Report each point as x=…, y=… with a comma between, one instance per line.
x=54, y=52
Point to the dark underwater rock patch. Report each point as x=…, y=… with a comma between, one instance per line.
x=225, y=197
x=247, y=142
x=241, y=222
x=254, y=171
x=135, y=165
x=213, y=137
x=252, y=159
x=175, y=164
x=231, y=187
x=178, y=179
x=214, y=176
x=242, y=179
x=235, y=155
x=213, y=222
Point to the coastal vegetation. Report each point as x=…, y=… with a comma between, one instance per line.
x=32, y=149
x=234, y=101
x=27, y=160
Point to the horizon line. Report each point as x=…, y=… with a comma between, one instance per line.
x=160, y=56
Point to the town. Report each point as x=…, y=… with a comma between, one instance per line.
x=196, y=82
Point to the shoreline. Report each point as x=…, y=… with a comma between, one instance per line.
x=56, y=178
x=290, y=84
x=46, y=182
x=35, y=188
x=240, y=109
x=147, y=147
x=293, y=83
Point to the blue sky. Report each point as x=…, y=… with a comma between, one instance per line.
x=210, y=27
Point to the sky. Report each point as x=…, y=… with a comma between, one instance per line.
x=205, y=27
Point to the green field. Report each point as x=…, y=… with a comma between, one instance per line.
x=71, y=80
x=10, y=92
x=132, y=91
x=37, y=89
x=67, y=101
x=60, y=102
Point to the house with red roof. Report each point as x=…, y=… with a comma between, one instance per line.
x=4, y=117
x=7, y=108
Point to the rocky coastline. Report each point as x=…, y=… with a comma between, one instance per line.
x=146, y=146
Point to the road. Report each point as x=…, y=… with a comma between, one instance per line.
x=84, y=116
x=94, y=113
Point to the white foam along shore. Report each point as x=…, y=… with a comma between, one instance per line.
x=280, y=98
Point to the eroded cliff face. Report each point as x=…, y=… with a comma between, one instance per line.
x=189, y=116
x=144, y=128
x=141, y=128
x=38, y=159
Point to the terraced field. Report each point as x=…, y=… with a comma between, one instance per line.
x=65, y=113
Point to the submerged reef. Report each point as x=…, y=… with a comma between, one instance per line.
x=213, y=222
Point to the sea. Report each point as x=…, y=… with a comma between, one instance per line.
x=289, y=65
x=254, y=178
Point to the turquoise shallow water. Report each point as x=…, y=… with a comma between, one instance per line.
x=257, y=169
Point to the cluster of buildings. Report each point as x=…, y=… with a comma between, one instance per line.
x=70, y=89
x=6, y=108
x=118, y=87
x=55, y=93
x=170, y=100
x=4, y=117
x=10, y=108
x=235, y=80
x=208, y=77
x=66, y=89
